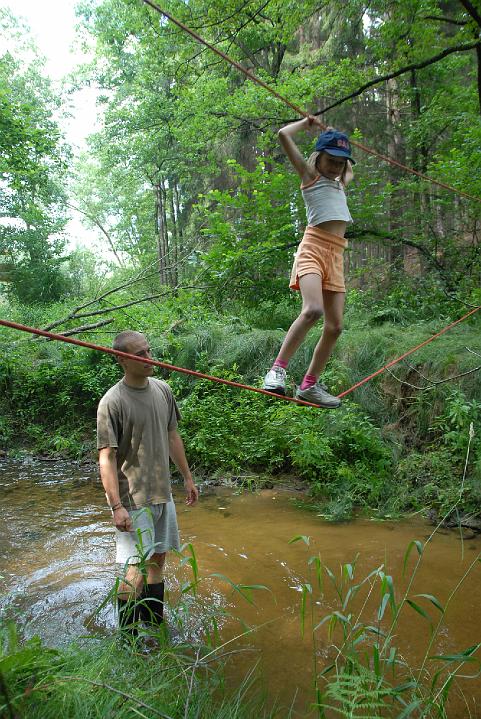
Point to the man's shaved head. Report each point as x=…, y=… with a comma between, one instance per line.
x=123, y=340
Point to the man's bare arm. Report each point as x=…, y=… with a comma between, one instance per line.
x=110, y=481
x=177, y=454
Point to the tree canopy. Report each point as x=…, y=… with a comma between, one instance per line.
x=32, y=166
x=182, y=128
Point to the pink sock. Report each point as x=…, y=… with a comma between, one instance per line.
x=308, y=381
x=280, y=363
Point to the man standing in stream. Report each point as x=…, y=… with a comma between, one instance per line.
x=136, y=437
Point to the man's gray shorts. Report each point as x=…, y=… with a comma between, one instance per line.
x=154, y=530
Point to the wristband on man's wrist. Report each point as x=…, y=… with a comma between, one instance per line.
x=115, y=506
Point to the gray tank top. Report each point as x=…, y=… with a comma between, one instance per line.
x=325, y=200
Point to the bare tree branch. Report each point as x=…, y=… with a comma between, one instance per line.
x=85, y=328
x=121, y=307
x=473, y=352
x=453, y=297
x=75, y=313
x=408, y=68
x=101, y=228
x=450, y=20
x=432, y=383
x=403, y=382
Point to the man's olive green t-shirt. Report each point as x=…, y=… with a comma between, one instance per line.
x=137, y=422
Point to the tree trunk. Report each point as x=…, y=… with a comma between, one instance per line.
x=396, y=151
x=175, y=240
x=165, y=237
x=160, y=232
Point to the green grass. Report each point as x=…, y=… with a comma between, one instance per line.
x=102, y=678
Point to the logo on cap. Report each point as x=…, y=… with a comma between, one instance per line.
x=334, y=143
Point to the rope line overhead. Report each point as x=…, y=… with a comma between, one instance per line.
x=297, y=109
x=220, y=380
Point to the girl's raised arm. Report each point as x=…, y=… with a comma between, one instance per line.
x=348, y=174
x=286, y=134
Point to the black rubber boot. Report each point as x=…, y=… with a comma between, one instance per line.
x=152, y=604
x=129, y=615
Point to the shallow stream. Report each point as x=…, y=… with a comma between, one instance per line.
x=57, y=566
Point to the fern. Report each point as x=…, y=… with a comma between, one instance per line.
x=358, y=694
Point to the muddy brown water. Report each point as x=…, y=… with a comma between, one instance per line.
x=57, y=566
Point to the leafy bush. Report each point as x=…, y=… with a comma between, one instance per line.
x=225, y=428
x=453, y=423
x=251, y=234
x=434, y=480
x=51, y=401
x=340, y=453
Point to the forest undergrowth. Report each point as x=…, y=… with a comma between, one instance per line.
x=395, y=446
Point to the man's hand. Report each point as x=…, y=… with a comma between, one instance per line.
x=191, y=492
x=122, y=519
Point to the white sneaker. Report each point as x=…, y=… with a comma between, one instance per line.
x=275, y=380
x=318, y=394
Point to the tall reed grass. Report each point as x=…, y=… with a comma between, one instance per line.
x=368, y=677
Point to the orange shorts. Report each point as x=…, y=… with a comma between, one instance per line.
x=320, y=253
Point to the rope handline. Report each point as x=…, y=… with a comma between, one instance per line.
x=145, y=360
x=228, y=59
x=297, y=109
x=409, y=352
x=220, y=380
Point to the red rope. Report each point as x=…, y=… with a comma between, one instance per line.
x=211, y=378
x=297, y=109
x=409, y=352
x=144, y=360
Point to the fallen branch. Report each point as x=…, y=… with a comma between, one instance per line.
x=75, y=313
x=85, y=328
x=121, y=307
x=443, y=381
x=432, y=383
x=403, y=381
x=473, y=352
x=105, y=686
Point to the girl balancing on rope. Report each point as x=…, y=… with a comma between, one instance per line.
x=318, y=270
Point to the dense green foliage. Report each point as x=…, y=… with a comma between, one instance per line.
x=199, y=135
x=389, y=449
x=32, y=169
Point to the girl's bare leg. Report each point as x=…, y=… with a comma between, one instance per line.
x=312, y=310
x=333, y=313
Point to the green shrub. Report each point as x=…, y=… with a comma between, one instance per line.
x=434, y=480
x=228, y=429
x=340, y=453
x=51, y=402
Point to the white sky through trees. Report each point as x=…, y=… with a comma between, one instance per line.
x=53, y=30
